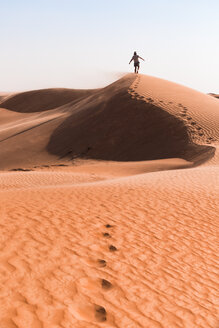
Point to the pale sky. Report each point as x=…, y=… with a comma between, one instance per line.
x=88, y=43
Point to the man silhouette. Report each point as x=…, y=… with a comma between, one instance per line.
x=135, y=58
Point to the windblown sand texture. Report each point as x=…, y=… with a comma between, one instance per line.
x=109, y=207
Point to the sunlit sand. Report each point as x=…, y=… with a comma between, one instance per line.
x=109, y=207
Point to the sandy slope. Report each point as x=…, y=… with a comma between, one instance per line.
x=41, y=100
x=214, y=95
x=103, y=243
x=5, y=95
x=198, y=111
x=55, y=250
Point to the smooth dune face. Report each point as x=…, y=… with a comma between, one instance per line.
x=114, y=222
x=41, y=100
x=3, y=95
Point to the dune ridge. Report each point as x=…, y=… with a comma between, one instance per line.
x=109, y=207
x=109, y=124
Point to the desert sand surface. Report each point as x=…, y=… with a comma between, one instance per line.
x=109, y=207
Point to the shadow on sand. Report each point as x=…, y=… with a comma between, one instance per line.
x=119, y=128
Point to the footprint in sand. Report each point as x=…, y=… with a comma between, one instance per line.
x=189, y=118
x=112, y=248
x=100, y=313
x=193, y=123
x=201, y=134
x=102, y=263
x=210, y=139
x=83, y=310
x=106, y=235
x=20, y=169
x=106, y=284
x=108, y=226
x=142, y=101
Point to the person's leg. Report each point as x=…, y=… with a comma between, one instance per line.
x=135, y=69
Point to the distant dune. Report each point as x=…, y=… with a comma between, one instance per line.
x=4, y=95
x=214, y=95
x=42, y=100
x=109, y=207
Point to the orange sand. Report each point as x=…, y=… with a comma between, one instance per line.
x=122, y=234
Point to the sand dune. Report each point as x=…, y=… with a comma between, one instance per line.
x=41, y=100
x=3, y=95
x=214, y=95
x=109, y=207
x=112, y=123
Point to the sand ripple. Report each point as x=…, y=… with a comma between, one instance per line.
x=57, y=269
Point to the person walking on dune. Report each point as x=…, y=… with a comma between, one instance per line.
x=135, y=58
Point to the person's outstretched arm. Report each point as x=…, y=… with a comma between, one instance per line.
x=131, y=60
x=141, y=58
